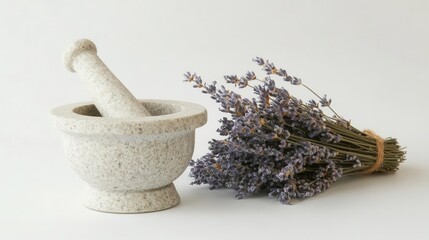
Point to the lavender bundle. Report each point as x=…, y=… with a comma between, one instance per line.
x=278, y=144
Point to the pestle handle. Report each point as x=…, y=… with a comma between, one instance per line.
x=110, y=96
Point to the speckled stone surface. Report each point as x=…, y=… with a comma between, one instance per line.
x=129, y=164
x=138, y=201
x=110, y=96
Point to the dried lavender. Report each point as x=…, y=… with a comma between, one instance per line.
x=278, y=144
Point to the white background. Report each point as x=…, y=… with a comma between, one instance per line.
x=371, y=57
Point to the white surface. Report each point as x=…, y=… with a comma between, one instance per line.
x=370, y=57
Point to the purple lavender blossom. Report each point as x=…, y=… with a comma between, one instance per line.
x=277, y=144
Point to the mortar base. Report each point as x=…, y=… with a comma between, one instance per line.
x=131, y=201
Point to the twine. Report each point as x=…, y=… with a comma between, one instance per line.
x=380, y=151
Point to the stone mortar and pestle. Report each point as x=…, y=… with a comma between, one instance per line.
x=128, y=151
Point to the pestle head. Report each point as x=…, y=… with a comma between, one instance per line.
x=80, y=46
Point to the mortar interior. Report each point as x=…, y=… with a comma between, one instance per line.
x=167, y=116
x=154, y=108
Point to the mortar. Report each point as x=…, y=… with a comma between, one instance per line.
x=129, y=164
x=130, y=152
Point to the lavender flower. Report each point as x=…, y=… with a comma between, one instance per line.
x=276, y=143
x=259, y=61
x=325, y=102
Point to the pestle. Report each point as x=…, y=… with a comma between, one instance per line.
x=128, y=161
x=110, y=96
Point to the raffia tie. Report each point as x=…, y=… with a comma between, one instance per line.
x=380, y=151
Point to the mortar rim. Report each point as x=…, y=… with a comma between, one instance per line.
x=189, y=117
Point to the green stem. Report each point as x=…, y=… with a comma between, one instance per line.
x=317, y=95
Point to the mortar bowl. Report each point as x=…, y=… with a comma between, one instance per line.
x=129, y=164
